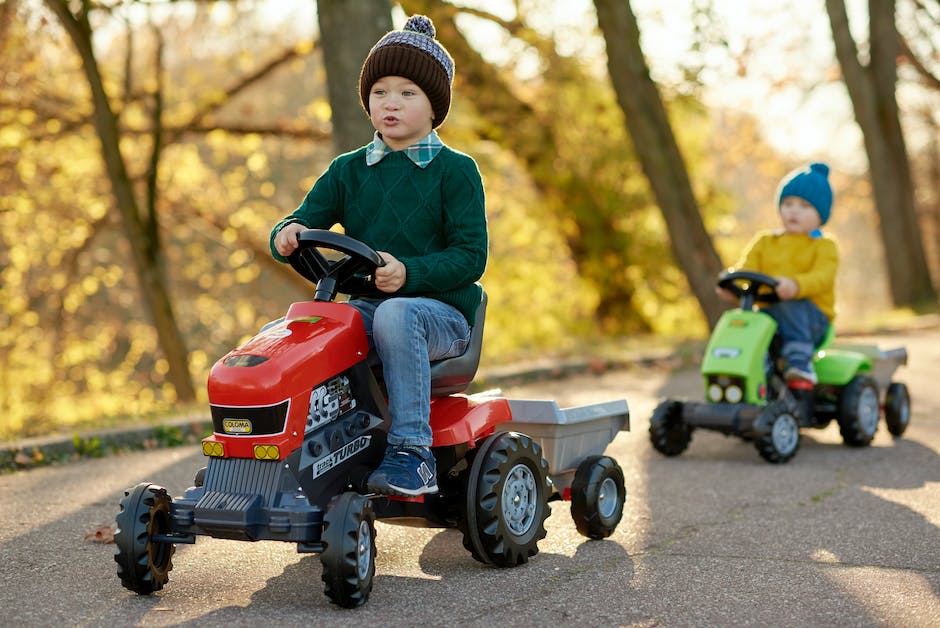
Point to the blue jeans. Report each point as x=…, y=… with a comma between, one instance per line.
x=406, y=334
x=802, y=327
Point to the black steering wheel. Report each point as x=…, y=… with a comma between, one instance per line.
x=749, y=286
x=353, y=273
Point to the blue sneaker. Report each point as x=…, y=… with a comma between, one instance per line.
x=408, y=470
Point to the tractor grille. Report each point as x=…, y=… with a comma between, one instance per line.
x=243, y=476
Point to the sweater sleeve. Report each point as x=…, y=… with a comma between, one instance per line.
x=752, y=258
x=821, y=278
x=320, y=209
x=463, y=258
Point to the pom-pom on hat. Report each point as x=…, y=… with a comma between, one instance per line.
x=414, y=54
x=810, y=183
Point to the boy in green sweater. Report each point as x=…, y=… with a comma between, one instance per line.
x=804, y=263
x=420, y=204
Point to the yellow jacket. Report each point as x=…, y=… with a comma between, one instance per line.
x=810, y=261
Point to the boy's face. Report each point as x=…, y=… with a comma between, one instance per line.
x=400, y=111
x=798, y=215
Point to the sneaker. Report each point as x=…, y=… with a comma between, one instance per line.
x=407, y=470
x=794, y=373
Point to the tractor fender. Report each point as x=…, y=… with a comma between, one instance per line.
x=837, y=367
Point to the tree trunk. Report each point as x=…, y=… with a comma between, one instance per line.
x=598, y=247
x=146, y=262
x=659, y=154
x=872, y=91
x=348, y=30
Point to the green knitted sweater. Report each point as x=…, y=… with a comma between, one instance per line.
x=432, y=219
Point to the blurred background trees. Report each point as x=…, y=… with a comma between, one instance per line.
x=147, y=147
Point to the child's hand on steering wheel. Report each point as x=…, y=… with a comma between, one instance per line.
x=391, y=277
x=787, y=288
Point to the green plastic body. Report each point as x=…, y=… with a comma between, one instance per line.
x=737, y=348
x=739, y=344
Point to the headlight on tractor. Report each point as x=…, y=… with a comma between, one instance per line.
x=726, y=388
x=714, y=393
x=267, y=452
x=213, y=448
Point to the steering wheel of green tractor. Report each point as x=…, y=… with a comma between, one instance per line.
x=749, y=286
x=353, y=273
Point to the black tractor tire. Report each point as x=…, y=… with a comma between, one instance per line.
x=200, y=478
x=779, y=439
x=897, y=408
x=143, y=565
x=506, y=501
x=669, y=433
x=349, y=557
x=859, y=410
x=597, y=497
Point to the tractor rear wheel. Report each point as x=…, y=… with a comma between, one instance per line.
x=859, y=410
x=506, y=501
x=349, y=558
x=897, y=408
x=143, y=564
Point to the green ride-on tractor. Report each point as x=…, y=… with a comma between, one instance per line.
x=746, y=394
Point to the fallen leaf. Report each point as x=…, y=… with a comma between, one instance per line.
x=102, y=534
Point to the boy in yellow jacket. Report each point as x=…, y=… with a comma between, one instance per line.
x=804, y=263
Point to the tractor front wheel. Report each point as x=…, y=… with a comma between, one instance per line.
x=780, y=438
x=143, y=564
x=597, y=496
x=349, y=558
x=506, y=500
x=669, y=433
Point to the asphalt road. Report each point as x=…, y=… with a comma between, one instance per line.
x=717, y=537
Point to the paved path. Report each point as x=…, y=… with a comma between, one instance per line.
x=716, y=536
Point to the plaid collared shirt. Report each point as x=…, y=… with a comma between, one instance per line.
x=421, y=152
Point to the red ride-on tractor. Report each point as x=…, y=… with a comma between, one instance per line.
x=300, y=420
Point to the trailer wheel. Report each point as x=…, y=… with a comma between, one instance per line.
x=506, y=500
x=859, y=409
x=597, y=497
x=143, y=564
x=669, y=434
x=780, y=438
x=897, y=408
x=349, y=558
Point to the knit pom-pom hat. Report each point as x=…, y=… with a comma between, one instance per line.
x=414, y=54
x=810, y=183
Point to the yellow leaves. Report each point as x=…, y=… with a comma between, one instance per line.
x=247, y=274
x=89, y=285
x=257, y=163
x=238, y=257
x=11, y=137
x=320, y=110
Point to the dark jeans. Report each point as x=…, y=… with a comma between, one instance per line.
x=802, y=327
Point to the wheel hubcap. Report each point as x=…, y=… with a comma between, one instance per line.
x=607, y=498
x=785, y=434
x=905, y=414
x=364, y=550
x=868, y=410
x=519, y=499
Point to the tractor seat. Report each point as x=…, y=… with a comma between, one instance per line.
x=453, y=375
x=828, y=339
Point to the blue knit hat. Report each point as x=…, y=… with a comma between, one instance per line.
x=810, y=183
x=415, y=54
